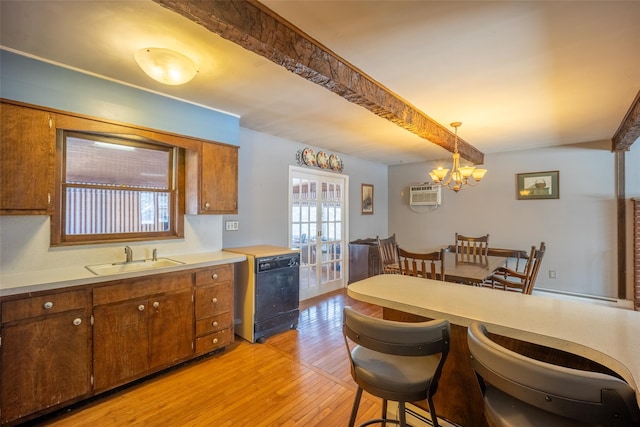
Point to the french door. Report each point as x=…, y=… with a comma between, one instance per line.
x=317, y=213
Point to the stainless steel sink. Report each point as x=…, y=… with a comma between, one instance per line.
x=128, y=267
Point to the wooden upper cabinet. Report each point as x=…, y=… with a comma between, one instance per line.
x=27, y=157
x=212, y=183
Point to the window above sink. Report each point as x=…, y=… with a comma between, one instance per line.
x=116, y=188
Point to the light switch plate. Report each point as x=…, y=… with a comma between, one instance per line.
x=231, y=225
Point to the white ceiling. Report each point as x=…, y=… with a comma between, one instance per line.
x=518, y=74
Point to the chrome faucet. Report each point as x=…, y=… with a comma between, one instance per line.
x=128, y=252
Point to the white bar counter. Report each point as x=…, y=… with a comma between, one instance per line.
x=609, y=336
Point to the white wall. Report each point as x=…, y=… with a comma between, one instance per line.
x=24, y=245
x=579, y=228
x=264, y=162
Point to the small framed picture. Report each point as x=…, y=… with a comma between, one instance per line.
x=367, y=199
x=538, y=185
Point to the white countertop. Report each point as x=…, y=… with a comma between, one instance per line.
x=607, y=335
x=32, y=281
x=263, y=250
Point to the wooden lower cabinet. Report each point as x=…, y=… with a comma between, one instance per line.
x=144, y=333
x=46, y=353
x=50, y=352
x=214, y=308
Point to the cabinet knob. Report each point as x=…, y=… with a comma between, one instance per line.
x=77, y=321
x=215, y=324
x=207, y=205
x=214, y=276
x=156, y=304
x=214, y=300
x=215, y=340
x=141, y=307
x=47, y=305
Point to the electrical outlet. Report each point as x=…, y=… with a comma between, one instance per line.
x=231, y=225
x=552, y=274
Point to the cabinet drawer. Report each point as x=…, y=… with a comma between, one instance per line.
x=214, y=341
x=213, y=300
x=43, y=305
x=126, y=289
x=214, y=275
x=215, y=323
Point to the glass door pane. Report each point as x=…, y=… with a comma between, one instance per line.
x=316, y=228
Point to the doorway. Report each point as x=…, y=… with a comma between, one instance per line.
x=317, y=226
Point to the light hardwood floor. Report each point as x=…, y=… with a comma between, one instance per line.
x=296, y=378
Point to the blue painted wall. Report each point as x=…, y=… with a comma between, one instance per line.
x=35, y=82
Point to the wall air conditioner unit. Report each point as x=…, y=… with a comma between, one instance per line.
x=425, y=195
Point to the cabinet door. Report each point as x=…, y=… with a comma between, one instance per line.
x=45, y=362
x=219, y=179
x=27, y=156
x=170, y=328
x=121, y=345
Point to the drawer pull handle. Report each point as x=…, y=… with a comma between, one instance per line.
x=77, y=321
x=214, y=300
x=207, y=205
x=215, y=341
x=156, y=304
x=47, y=305
x=215, y=324
x=214, y=276
x=141, y=307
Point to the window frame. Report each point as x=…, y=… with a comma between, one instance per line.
x=176, y=191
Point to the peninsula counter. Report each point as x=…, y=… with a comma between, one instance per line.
x=608, y=336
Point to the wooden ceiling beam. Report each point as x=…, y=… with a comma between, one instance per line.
x=629, y=130
x=258, y=29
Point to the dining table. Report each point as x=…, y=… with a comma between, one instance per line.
x=470, y=269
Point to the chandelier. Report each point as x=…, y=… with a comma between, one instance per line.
x=460, y=175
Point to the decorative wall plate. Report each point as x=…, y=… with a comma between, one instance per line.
x=309, y=157
x=323, y=159
x=335, y=163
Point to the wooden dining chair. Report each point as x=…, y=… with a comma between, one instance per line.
x=388, y=249
x=470, y=248
x=427, y=265
x=511, y=280
x=516, y=258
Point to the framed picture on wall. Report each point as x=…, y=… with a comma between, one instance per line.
x=367, y=199
x=538, y=185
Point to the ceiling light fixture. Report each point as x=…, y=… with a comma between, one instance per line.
x=459, y=177
x=166, y=66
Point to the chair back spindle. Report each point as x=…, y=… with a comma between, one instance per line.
x=426, y=265
x=470, y=249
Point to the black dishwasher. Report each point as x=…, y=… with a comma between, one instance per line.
x=277, y=295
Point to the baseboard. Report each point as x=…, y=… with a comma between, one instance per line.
x=590, y=299
x=416, y=416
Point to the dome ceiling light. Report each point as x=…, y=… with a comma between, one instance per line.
x=166, y=66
